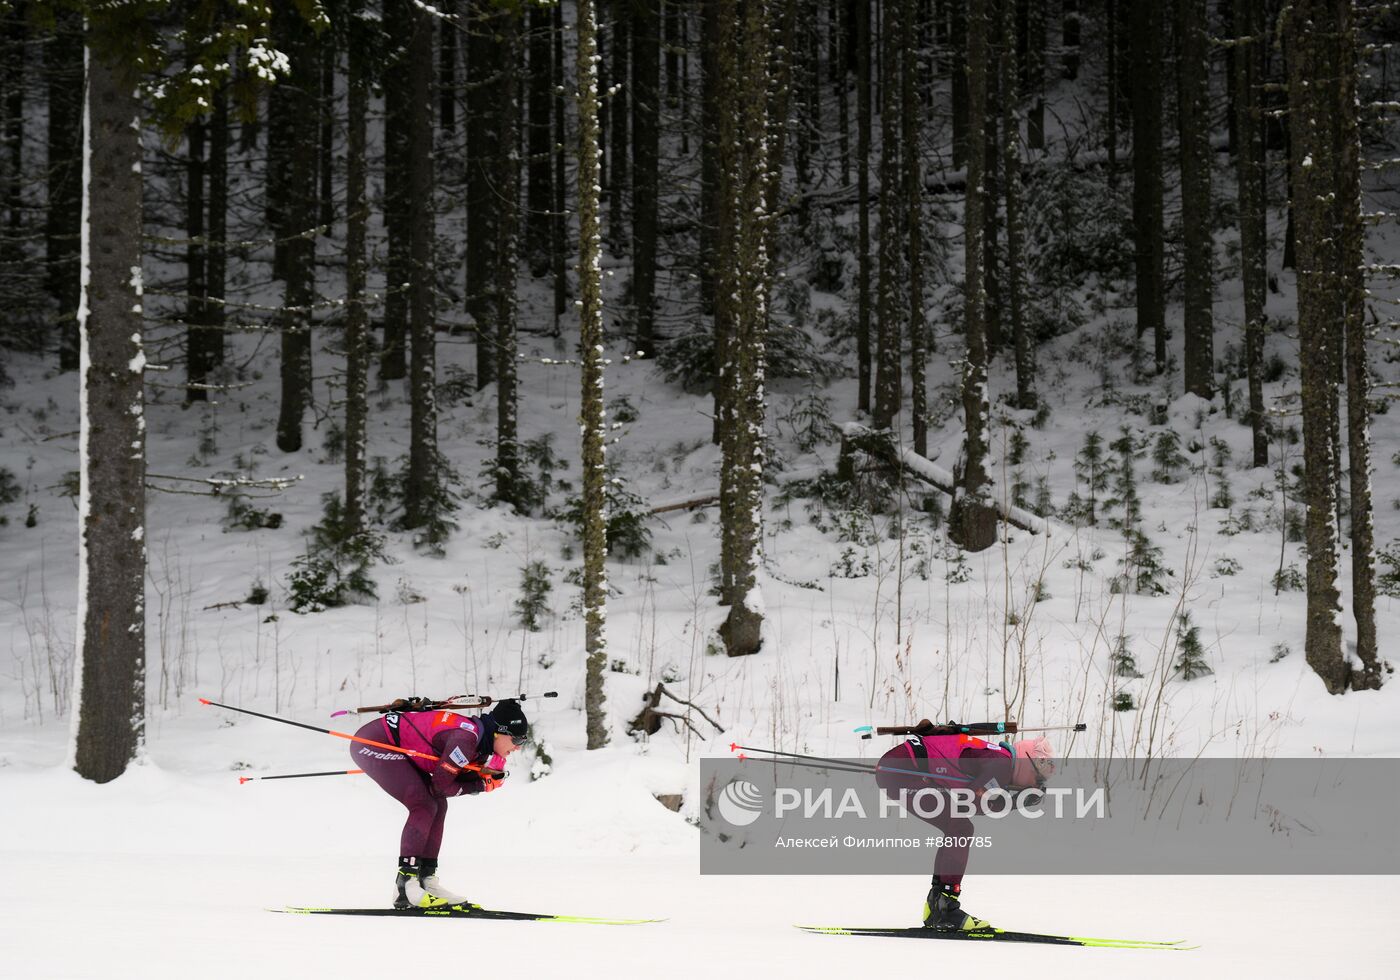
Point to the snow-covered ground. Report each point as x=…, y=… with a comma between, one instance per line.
x=169, y=873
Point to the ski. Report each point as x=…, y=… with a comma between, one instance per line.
x=997, y=935
x=469, y=912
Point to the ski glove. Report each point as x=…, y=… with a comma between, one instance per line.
x=481, y=783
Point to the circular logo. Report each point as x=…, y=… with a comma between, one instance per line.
x=740, y=803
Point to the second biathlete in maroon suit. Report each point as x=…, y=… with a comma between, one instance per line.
x=938, y=764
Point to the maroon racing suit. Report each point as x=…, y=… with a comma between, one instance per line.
x=940, y=763
x=423, y=785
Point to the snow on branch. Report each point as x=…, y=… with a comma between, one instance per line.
x=930, y=472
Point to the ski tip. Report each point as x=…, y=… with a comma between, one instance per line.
x=205, y=701
x=733, y=746
x=245, y=779
x=590, y=920
x=337, y=714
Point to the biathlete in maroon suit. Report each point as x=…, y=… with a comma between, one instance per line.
x=470, y=753
x=943, y=763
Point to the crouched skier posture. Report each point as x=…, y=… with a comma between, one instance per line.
x=471, y=756
x=969, y=764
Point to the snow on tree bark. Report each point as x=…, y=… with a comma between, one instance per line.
x=506, y=187
x=1193, y=118
x=646, y=73
x=356, y=314
x=1022, y=341
x=1309, y=30
x=592, y=419
x=297, y=207
x=1249, y=156
x=109, y=703
x=890, y=287
x=1353, y=285
x=914, y=219
x=1148, y=248
x=971, y=521
x=422, y=491
x=742, y=288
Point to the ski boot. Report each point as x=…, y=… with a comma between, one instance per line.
x=943, y=912
x=417, y=886
x=432, y=887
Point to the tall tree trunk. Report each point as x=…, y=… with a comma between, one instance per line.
x=1353, y=285
x=558, y=225
x=591, y=416
x=890, y=287
x=809, y=114
x=16, y=36
x=971, y=520
x=196, y=290
x=1023, y=343
x=482, y=117
x=744, y=129
x=1111, y=37
x=619, y=174
x=1070, y=35
x=507, y=188
x=356, y=233
x=709, y=166
x=1249, y=159
x=842, y=60
x=1310, y=28
x=216, y=261
x=781, y=48
x=448, y=29
x=672, y=14
x=298, y=102
x=862, y=32
x=421, y=488
x=540, y=169
x=910, y=113
x=110, y=660
x=1193, y=116
x=1148, y=248
x=958, y=41
x=63, y=71
x=1035, y=71
x=325, y=214
x=646, y=68
x=991, y=181
x=398, y=27
x=714, y=172
x=685, y=86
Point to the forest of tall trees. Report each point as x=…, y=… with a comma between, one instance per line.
x=361, y=181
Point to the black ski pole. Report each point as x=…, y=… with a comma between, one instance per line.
x=844, y=765
x=303, y=775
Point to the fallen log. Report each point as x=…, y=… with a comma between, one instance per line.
x=859, y=438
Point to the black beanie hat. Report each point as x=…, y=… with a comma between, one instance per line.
x=510, y=720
